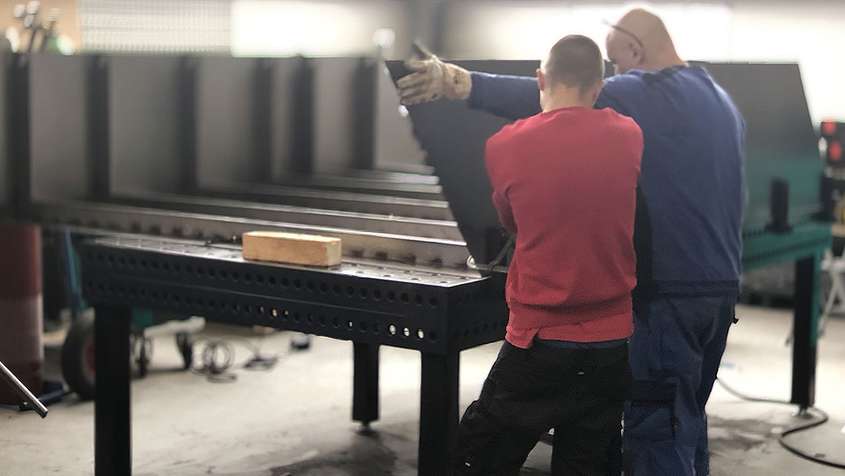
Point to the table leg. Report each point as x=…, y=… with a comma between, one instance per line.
x=365, y=384
x=805, y=325
x=438, y=411
x=112, y=433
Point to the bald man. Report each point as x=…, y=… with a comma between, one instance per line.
x=688, y=230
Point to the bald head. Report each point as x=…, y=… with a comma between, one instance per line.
x=640, y=40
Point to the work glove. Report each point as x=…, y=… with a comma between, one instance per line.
x=432, y=79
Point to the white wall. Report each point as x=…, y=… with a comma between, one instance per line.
x=527, y=29
x=156, y=26
x=314, y=28
x=810, y=32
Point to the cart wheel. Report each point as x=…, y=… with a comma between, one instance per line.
x=186, y=347
x=300, y=341
x=78, y=364
x=142, y=350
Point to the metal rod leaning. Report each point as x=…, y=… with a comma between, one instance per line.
x=28, y=397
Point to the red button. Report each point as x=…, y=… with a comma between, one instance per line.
x=834, y=151
x=828, y=128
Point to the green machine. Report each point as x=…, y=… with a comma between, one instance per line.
x=784, y=218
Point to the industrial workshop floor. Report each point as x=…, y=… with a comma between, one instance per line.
x=295, y=420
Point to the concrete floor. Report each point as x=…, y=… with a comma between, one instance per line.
x=295, y=419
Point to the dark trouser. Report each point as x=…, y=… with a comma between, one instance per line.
x=676, y=348
x=578, y=392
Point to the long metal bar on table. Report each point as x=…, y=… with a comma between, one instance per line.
x=410, y=168
x=356, y=244
x=367, y=185
x=447, y=230
x=332, y=200
x=393, y=176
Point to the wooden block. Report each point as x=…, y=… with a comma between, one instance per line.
x=291, y=248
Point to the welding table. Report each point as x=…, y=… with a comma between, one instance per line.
x=438, y=312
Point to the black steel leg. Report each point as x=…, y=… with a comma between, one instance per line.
x=365, y=393
x=804, y=344
x=438, y=411
x=112, y=434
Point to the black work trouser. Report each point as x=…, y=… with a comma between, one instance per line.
x=578, y=392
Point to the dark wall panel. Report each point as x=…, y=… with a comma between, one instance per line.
x=290, y=130
x=60, y=161
x=145, y=123
x=226, y=121
x=5, y=160
x=395, y=144
x=335, y=116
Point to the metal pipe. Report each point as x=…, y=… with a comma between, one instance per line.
x=391, y=176
x=30, y=399
x=368, y=185
x=332, y=200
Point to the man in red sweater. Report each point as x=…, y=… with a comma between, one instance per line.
x=564, y=181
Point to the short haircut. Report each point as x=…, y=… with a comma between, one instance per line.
x=575, y=61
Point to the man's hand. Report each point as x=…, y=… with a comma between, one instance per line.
x=433, y=79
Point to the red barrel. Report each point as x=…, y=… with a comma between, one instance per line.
x=21, y=348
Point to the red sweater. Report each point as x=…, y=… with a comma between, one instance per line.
x=565, y=181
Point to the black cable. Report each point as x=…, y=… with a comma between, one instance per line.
x=822, y=418
x=742, y=396
x=216, y=357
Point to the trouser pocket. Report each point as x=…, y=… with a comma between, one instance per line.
x=650, y=414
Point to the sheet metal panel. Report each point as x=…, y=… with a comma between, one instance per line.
x=145, y=115
x=60, y=165
x=453, y=135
